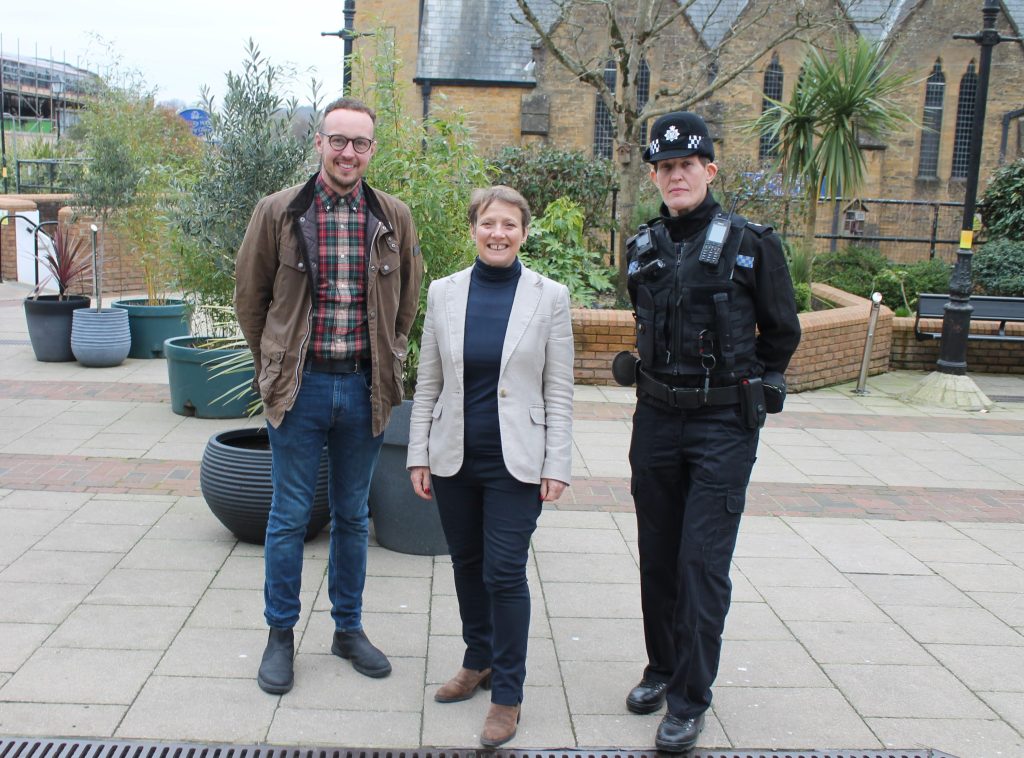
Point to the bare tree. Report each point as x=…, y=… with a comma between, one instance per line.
x=727, y=39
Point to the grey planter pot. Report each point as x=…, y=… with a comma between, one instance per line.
x=151, y=325
x=402, y=521
x=49, y=325
x=100, y=338
x=235, y=480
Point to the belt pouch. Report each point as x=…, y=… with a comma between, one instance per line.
x=752, y=404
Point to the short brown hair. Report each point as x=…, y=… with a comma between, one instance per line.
x=481, y=199
x=350, y=104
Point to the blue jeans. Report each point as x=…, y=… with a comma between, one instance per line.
x=332, y=409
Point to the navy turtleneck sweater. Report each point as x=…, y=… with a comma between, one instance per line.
x=491, y=292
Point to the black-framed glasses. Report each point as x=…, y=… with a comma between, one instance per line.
x=339, y=142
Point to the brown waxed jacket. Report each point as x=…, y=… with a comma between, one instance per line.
x=276, y=274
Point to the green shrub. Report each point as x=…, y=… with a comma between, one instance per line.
x=801, y=262
x=556, y=248
x=252, y=152
x=900, y=284
x=852, y=270
x=802, y=293
x=1002, y=206
x=431, y=164
x=998, y=268
x=545, y=174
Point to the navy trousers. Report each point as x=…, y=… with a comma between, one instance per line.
x=488, y=519
x=690, y=476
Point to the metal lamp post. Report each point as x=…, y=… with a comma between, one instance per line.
x=956, y=322
x=347, y=34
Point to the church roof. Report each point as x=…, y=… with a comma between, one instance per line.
x=875, y=19
x=713, y=19
x=478, y=40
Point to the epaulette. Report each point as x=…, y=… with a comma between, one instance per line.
x=759, y=229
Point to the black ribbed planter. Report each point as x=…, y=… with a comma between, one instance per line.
x=235, y=479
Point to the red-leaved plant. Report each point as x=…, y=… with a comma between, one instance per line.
x=66, y=261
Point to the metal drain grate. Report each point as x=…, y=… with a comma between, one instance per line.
x=43, y=748
x=14, y=342
x=1006, y=398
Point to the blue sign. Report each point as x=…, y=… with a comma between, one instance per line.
x=198, y=119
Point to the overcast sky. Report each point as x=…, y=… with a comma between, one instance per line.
x=179, y=46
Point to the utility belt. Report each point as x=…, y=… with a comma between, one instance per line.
x=748, y=394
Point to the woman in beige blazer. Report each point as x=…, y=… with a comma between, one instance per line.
x=491, y=433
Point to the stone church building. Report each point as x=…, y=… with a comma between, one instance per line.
x=473, y=54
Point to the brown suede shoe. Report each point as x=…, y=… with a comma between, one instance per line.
x=500, y=725
x=463, y=685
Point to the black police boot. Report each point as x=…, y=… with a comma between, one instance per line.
x=646, y=697
x=276, y=676
x=366, y=659
x=676, y=735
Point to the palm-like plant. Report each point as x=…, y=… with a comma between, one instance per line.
x=836, y=101
x=66, y=260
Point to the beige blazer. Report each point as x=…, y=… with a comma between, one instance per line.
x=534, y=382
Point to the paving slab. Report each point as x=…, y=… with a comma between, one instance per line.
x=976, y=738
x=222, y=710
x=64, y=719
x=69, y=675
x=120, y=627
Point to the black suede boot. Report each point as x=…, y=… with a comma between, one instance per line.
x=276, y=676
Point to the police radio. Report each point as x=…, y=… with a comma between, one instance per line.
x=718, y=232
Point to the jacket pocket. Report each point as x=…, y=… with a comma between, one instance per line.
x=537, y=415
x=272, y=360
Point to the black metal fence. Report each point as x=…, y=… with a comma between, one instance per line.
x=904, y=231
x=46, y=175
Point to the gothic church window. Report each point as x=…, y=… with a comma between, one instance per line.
x=964, y=122
x=931, y=134
x=771, y=90
x=604, y=142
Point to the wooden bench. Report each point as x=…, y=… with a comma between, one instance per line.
x=986, y=308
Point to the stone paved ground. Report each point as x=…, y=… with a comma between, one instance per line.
x=878, y=583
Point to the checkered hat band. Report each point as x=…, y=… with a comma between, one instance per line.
x=692, y=143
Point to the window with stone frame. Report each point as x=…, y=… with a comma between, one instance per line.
x=643, y=94
x=771, y=90
x=964, y=123
x=604, y=138
x=931, y=121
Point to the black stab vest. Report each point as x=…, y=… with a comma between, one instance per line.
x=693, y=319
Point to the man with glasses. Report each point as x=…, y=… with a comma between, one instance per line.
x=327, y=286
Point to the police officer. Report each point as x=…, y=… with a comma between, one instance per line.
x=716, y=325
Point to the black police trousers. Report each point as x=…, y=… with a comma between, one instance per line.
x=690, y=475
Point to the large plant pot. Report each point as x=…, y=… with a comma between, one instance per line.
x=49, y=325
x=195, y=391
x=402, y=521
x=234, y=477
x=100, y=338
x=151, y=325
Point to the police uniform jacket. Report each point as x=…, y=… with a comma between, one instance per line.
x=725, y=322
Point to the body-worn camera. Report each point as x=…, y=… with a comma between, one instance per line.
x=644, y=265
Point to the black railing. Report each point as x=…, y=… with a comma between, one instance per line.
x=46, y=175
x=898, y=222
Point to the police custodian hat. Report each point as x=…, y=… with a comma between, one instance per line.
x=677, y=135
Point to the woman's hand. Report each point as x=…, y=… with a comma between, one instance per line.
x=551, y=489
x=420, y=476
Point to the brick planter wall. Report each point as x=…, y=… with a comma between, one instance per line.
x=983, y=357
x=830, y=350
x=122, y=274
